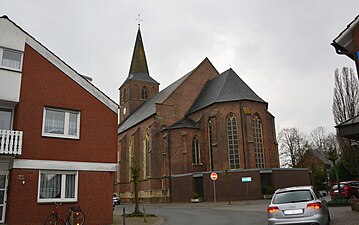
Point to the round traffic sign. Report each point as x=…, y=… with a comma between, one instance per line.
x=214, y=176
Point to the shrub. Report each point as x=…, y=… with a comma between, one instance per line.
x=338, y=202
x=195, y=195
x=267, y=190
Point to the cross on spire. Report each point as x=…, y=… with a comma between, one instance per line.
x=139, y=20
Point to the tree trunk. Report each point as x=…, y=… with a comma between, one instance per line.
x=137, y=207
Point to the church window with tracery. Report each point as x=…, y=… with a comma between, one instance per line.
x=232, y=137
x=258, y=142
x=195, y=151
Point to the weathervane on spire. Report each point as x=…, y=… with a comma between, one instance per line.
x=139, y=20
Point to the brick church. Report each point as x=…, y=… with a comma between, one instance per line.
x=205, y=121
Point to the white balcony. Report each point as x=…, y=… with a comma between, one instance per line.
x=10, y=142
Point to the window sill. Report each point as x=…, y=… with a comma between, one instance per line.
x=61, y=136
x=51, y=201
x=10, y=69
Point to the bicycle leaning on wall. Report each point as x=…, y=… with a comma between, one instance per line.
x=75, y=216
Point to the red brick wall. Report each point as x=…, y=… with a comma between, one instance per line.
x=226, y=189
x=182, y=189
x=233, y=188
x=189, y=90
x=245, y=134
x=290, y=177
x=45, y=85
x=95, y=198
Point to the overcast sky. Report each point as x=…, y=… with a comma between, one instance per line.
x=280, y=48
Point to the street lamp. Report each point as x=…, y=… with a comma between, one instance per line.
x=354, y=146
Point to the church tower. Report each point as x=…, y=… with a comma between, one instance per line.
x=139, y=86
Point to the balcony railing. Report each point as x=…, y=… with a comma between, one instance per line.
x=10, y=142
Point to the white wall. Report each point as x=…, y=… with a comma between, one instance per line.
x=10, y=81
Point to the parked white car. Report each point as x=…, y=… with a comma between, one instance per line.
x=298, y=205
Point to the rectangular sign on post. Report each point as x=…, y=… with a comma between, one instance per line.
x=246, y=179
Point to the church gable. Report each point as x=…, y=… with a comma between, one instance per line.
x=184, y=95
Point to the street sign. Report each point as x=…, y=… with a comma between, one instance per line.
x=246, y=179
x=214, y=176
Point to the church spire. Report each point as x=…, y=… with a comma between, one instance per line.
x=138, y=62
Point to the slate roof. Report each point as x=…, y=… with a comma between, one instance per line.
x=138, y=62
x=350, y=128
x=185, y=123
x=148, y=108
x=351, y=121
x=319, y=154
x=226, y=87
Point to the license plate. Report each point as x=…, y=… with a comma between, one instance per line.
x=293, y=211
x=336, y=191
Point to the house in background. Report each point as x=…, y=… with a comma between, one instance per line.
x=58, y=138
x=317, y=158
x=205, y=121
x=319, y=165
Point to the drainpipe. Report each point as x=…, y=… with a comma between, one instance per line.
x=169, y=162
x=244, y=136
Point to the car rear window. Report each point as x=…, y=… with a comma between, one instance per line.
x=293, y=196
x=336, y=186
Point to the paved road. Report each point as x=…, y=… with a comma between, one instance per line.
x=211, y=216
x=224, y=214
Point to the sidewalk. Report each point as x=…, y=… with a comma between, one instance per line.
x=118, y=220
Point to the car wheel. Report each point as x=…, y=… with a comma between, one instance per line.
x=353, y=196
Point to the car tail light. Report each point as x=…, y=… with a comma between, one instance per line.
x=272, y=209
x=316, y=205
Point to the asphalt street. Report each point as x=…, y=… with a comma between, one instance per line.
x=206, y=213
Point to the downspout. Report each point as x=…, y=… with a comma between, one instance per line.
x=244, y=132
x=169, y=163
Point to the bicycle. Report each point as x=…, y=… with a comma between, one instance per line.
x=75, y=216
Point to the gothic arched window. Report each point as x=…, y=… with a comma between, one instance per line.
x=210, y=144
x=232, y=137
x=258, y=142
x=144, y=93
x=195, y=151
x=124, y=96
x=147, y=153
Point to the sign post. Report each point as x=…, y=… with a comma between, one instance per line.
x=247, y=180
x=214, y=177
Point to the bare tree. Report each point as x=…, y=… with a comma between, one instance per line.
x=331, y=150
x=346, y=95
x=292, y=146
x=318, y=137
x=345, y=106
x=135, y=174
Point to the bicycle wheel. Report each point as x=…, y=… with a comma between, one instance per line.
x=51, y=219
x=77, y=218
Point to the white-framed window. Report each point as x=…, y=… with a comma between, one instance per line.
x=59, y=186
x=10, y=59
x=61, y=123
x=5, y=118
